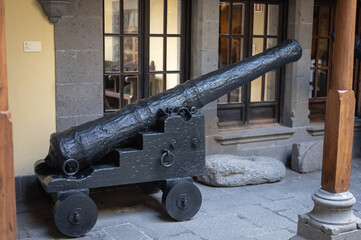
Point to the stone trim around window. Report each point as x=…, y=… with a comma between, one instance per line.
x=253, y=135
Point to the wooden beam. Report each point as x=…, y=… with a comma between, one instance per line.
x=337, y=150
x=340, y=109
x=343, y=58
x=7, y=180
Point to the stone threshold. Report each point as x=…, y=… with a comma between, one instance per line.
x=318, y=129
x=253, y=135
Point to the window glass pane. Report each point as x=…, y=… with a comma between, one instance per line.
x=324, y=25
x=224, y=18
x=156, y=54
x=313, y=52
x=257, y=46
x=256, y=90
x=273, y=16
x=111, y=92
x=237, y=53
x=223, y=52
x=130, y=16
x=172, y=80
x=236, y=96
x=272, y=42
x=111, y=54
x=155, y=84
x=130, y=54
x=222, y=100
x=130, y=91
x=270, y=85
x=174, y=17
x=315, y=20
x=323, y=53
x=156, y=16
x=321, y=83
x=311, y=93
x=111, y=16
x=258, y=19
x=238, y=15
x=173, y=53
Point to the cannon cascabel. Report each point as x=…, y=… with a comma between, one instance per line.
x=89, y=142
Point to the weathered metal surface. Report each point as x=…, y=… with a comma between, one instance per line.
x=143, y=162
x=181, y=199
x=75, y=214
x=89, y=142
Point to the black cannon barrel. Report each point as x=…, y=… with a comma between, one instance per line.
x=90, y=141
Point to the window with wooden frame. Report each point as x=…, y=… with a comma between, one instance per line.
x=321, y=58
x=357, y=68
x=246, y=29
x=145, y=49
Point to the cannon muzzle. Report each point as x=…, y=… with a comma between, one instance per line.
x=85, y=144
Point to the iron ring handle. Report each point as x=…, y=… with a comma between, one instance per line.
x=69, y=162
x=165, y=154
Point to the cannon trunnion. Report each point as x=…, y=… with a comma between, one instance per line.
x=162, y=159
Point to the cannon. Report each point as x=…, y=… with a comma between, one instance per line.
x=81, y=146
x=157, y=143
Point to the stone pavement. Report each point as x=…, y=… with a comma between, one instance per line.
x=259, y=212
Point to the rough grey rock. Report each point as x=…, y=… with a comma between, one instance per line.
x=307, y=157
x=233, y=171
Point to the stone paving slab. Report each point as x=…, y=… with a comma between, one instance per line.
x=258, y=212
x=276, y=235
x=125, y=232
x=292, y=213
x=264, y=218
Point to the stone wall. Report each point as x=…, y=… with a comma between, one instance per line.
x=79, y=64
x=275, y=140
x=297, y=79
x=204, y=51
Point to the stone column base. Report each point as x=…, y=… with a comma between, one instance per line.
x=332, y=218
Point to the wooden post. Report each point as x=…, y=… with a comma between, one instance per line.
x=7, y=181
x=340, y=105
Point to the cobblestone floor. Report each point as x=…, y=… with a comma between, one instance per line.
x=259, y=212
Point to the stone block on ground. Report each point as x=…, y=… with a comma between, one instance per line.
x=307, y=157
x=232, y=171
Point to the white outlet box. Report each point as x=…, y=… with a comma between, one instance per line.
x=32, y=46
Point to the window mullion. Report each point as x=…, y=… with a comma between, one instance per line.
x=140, y=50
x=263, y=89
x=121, y=49
x=146, y=47
x=165, y=20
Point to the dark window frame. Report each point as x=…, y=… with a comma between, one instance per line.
x=251, y=112
x=143, y=49
x=317, y=105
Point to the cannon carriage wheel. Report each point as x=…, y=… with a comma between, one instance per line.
x=75, y=214
x=181, y=199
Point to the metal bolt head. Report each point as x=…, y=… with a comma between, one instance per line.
x=195, y=142
x=183, y=201
x=74, y=216
x=173, y=143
